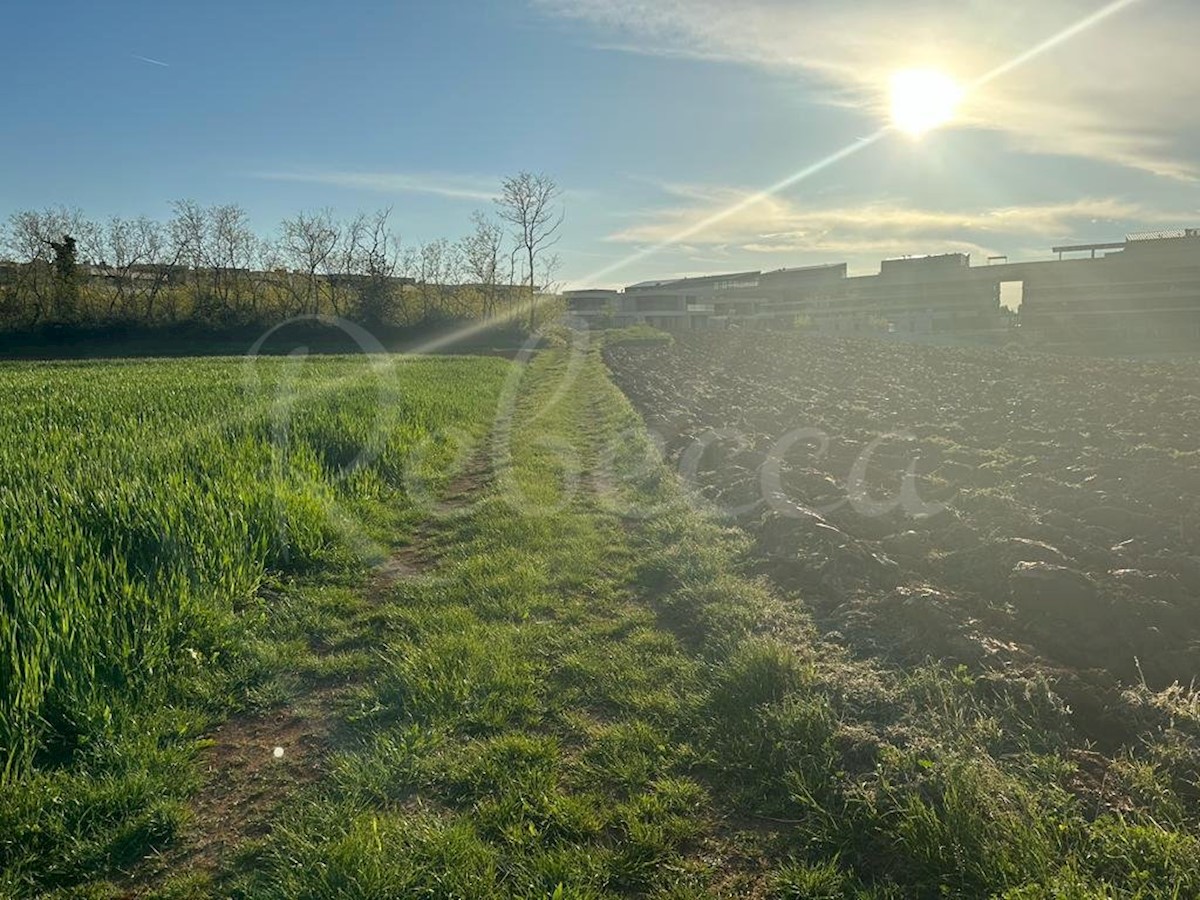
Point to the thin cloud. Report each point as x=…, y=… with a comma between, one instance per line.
x=454, y=187
x=151, y=60
x=776, y=225
x=1119, y=92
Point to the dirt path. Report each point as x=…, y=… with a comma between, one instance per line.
x=255, y=761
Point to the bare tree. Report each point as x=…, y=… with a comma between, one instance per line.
x=513, y=258
x=530, y=203
x=206, y=265
x=131, y=256
x=408, y=267
x=232, y=256
x=342, y=266
x=370, y=257
x=221, y=251
x=437, y=266
x=161, y=261
x=453, y=300
x=39, y=241
x=481, y=250
x=308, y=245
x=189, y=238
x=114, y=255
x=550, y=265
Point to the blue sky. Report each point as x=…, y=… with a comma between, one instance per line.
x=653, y=114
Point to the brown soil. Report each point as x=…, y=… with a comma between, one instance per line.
x=1053, y=528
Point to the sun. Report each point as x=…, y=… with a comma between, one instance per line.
x=923, y=99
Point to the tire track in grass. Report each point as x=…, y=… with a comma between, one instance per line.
x=533, y=733
x=519, y=739
x=255, y=761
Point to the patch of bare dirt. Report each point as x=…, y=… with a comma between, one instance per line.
x=254, y=761
x=252, y=764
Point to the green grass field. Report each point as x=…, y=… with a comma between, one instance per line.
x=578, y=692
x=143, y=507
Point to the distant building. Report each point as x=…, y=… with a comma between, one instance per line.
x=687, y=304
x=774, y=300
x=1145, y=287
x=920, y=296
x=594, y=307
x=1149, y=289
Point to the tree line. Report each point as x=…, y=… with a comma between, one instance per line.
x=205, y=266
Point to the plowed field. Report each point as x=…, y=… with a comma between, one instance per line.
x=1011, y=512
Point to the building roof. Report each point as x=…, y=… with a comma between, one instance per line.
x=1084, y=248
x=929, y=257
x=693, y=280
x=580, y=292
x=1163, y=235
x=817, y=268
x=650, y=284
x=726, y=276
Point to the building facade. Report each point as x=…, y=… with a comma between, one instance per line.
x=1146, y=287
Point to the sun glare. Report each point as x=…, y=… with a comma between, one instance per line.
x=923, y=99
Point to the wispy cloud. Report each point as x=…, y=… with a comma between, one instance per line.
x=455, y=187
x=152, y=61
x=776, y=224
x=1121, y=92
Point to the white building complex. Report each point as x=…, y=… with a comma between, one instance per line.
x=1145, y=286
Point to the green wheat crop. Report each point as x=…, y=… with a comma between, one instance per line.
x=141, y=502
